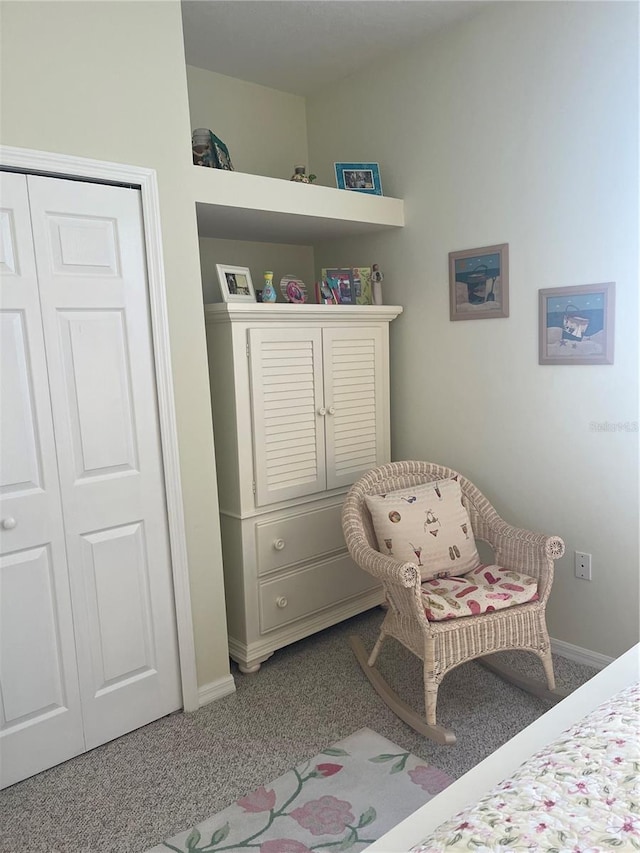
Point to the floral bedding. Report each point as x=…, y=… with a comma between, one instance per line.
x=581, y=794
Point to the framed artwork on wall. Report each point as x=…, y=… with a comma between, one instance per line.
x=479, y=283
x=359, y=177
x=577, y=324
x=235, y=283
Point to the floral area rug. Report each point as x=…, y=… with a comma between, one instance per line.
x=343, y=799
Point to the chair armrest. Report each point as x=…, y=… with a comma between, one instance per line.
x=506, y=536
x=385, y=568
x=523, y=550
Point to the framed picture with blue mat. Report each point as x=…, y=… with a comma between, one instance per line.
x=576, y=324
x=359, y=177
x=479, y=283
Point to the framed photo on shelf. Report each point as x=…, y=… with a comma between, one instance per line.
x=324, y=296
x=362, y=285
x=359, y=177
x=340, y=282
x=576, y=324
x=479, y=283
x=235, y=283
x=293, y=289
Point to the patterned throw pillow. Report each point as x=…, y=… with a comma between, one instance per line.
x=426, y=525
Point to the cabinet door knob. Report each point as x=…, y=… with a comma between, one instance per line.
x=9, y=523
x=281, y=602
x=278, y=544
x=322, y=411
x=331, y=410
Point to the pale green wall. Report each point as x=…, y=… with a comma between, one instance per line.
x=519, y=125
x=281, y=259
x=265, y=130
x=108, y=81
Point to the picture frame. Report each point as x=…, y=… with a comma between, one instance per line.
x=479, y=283
x=359, y=177
x=340, y=281
x=324, y=296
x=576, y=324
x=235, y=283
x=293, y=290
x=362, y=285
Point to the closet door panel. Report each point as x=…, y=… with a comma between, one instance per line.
x=90, y=257
x=40, y=718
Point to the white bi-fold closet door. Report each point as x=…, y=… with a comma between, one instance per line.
x=88, y=647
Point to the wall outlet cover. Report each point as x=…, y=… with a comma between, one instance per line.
x=582, y=565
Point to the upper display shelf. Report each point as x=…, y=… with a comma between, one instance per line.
x=239, y=206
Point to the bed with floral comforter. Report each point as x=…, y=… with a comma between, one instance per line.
x=581, y=794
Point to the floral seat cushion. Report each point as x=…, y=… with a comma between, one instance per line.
x=482, y=590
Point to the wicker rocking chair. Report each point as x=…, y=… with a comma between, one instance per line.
x=444, y=645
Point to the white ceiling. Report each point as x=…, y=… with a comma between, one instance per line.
x=300, y=46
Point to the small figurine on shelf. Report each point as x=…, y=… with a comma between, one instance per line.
x=377, y=277
x=300, y=175
x=268, y=291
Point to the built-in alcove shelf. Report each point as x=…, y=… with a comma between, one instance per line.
x=239, y=206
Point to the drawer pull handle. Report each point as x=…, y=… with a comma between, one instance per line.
x=331, y=410
x=281, y=602
x=322, y=411
x=8, y=523
x=279, y=544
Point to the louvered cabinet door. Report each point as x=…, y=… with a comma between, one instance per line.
x=288, y=413
x=356, y=391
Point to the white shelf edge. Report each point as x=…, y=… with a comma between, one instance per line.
x=244, y=206
x=224, y=312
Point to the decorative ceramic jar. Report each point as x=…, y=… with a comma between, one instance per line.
x=201, y=147
x=300, y=175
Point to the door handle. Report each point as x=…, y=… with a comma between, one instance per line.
x=322, y=411
x=331, y=410
x=8, y=523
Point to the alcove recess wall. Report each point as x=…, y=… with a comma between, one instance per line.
x=255, y=216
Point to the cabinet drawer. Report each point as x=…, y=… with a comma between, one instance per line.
x=285, y=599
x=299, y=537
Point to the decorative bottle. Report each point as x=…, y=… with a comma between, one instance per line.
x=268, y=291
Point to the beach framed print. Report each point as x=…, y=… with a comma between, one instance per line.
x=235, y=283
x=577, y=324
x=479, y=283
x=359, y=177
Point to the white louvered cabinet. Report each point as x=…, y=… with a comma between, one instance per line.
x=300, y=401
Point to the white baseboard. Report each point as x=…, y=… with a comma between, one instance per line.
x=580, y=655
x=216, y=690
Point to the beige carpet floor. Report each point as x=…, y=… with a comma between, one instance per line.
x=134, y=792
